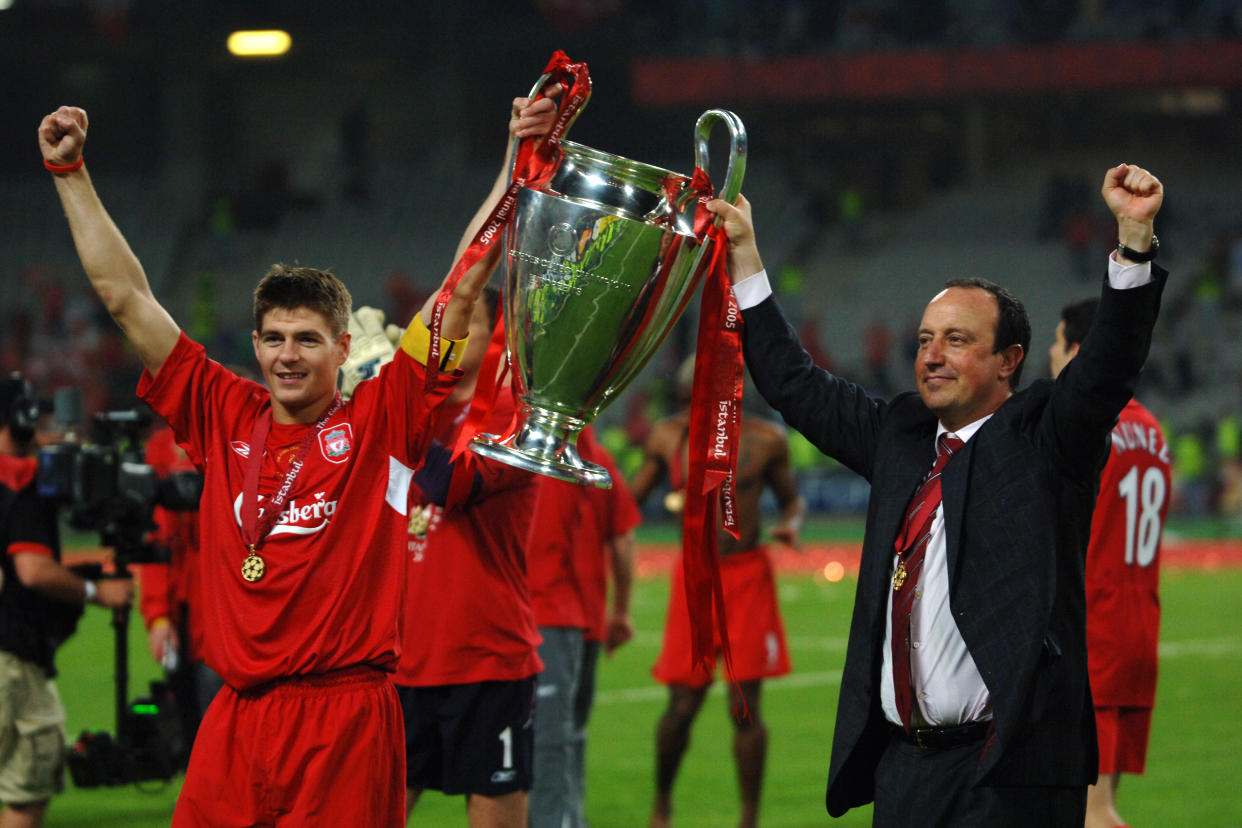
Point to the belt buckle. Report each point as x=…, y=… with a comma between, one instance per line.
x=917, y=734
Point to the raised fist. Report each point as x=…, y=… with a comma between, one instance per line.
x=62, y=135
x=1132, y=193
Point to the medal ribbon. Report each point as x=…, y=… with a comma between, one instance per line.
x=255, y=526
x=715, y=418
x=535, y=161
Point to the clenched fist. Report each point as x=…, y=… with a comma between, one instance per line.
x=62, y=135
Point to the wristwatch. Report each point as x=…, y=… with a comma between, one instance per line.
x=91, y=591
x=1135, y=255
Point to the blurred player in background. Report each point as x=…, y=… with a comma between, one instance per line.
x=165, y=595
x=579, y=534
x=756, y=632
x=1123, y=576
x=466, y=677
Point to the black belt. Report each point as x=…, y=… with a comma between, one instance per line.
x=943, y=738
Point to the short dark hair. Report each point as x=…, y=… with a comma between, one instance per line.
x=1077, y=317
x=288, y=287
x=19, y=411
x=1013, y=326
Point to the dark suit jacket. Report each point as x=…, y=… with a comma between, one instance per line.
x=1018, y=500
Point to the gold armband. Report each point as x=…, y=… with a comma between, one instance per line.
x=416, y=341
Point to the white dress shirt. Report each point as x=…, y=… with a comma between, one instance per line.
x=948, y=689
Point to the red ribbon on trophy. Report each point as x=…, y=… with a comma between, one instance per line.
x=536, y=159
x=715, y=423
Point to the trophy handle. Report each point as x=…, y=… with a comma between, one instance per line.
x=737, y=149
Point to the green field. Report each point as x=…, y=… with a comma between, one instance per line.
x=1191, y=778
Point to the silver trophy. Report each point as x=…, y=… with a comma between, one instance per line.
x=599, y=264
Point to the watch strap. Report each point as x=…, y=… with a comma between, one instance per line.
x=1137, y=255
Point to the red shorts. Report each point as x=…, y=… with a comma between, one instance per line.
x=756, y=634
x=1123, y=735
x=312, y=750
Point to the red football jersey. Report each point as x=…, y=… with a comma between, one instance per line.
x=562, y=531
x=568, y=556
x=1123, y=561
x=468, y=617
x=333, y=590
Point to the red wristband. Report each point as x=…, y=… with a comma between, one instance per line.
x=67, y=168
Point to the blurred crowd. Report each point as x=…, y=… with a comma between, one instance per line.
x=62, y=337
x=809, y=26
x=58, y=335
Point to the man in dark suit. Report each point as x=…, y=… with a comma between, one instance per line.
x=964, y=697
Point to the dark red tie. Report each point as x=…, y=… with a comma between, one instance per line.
x=911, y=547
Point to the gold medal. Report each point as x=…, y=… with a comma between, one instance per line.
x=675, y=501
x=253, y=568
x=420, y=518
x=899, y=576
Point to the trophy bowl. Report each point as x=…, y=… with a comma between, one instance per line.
x=599, y=264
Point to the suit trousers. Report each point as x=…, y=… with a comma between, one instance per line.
x=917, y=788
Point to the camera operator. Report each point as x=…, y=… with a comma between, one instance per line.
x=40, y=602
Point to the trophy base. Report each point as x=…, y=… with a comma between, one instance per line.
x=548, y=451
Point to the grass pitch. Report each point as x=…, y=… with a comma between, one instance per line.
x=1191, y=778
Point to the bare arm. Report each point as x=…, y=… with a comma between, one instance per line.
x=655, y=462
x=43, y=574
x=648, y=476
x=114, y=271
x=784, y=485
x=620, y=628
x=526, y=119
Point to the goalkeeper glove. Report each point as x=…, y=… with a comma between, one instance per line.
x=370, y=347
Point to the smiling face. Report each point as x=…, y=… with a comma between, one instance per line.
x=958, y=375
x=299, y=358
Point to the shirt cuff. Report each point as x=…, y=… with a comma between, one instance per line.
x=1123, y=277
x=752, y=290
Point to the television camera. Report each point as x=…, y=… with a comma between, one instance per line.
x=105, y=486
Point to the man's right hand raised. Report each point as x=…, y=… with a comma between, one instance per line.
x=744, y=260
x=62, y=134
